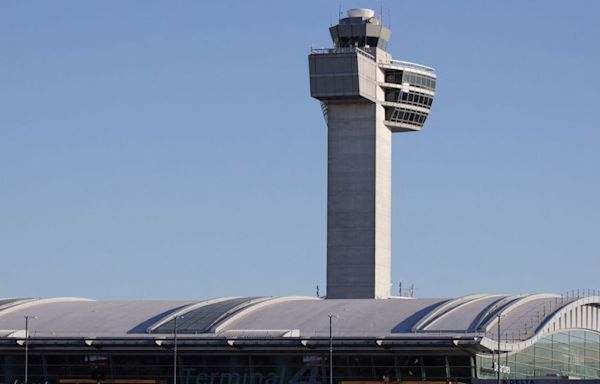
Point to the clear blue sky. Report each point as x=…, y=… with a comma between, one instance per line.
x=171, y=149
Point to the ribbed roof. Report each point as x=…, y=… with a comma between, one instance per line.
x=524, y=317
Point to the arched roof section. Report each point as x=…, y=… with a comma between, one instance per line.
x=73, y=317
x=181, y=312
x=486, y=316
x=224, y=323
x=441, y=310
x=16, y=305
x=458, y=315
x=355, y=317
x=541, y=316
x=201, y=318
x=6, y=303
x=524, y=319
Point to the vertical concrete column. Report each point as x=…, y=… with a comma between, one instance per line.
x=358, y=201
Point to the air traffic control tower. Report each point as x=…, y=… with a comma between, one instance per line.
x=365, y=97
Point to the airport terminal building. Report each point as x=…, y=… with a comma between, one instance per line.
x=281, y=340
x=359, y=333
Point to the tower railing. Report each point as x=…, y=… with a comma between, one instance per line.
x=325, y=51
x=408, y=64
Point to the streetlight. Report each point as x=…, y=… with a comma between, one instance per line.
x=174, y=348
x=27, y=317
x=499, y=316
x=331, y=349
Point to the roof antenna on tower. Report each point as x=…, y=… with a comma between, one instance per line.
x=340, y=12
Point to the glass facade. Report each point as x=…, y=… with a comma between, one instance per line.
x=573, y=353
x=238, y=368
x=408, y=97
x=413, y=98
x=401, y=115
x=393, y=76
x=361, y=41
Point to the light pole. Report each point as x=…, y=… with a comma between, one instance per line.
x=174, y=349
x=331, y=349
x=27, y=317
x=499, y=340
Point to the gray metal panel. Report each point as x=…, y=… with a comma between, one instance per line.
x=334, y=33
x=342, y=76
x=461, y=317
x=86, y=318
x=358, y=30
x=373, y=30
x=355, y=318
x=333, y=76
x=521, y=320
x=200, y=320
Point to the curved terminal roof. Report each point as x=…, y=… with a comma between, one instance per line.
x=470, y=320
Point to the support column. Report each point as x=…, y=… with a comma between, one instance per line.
x=358, y=202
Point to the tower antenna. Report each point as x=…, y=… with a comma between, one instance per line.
x=340, y=12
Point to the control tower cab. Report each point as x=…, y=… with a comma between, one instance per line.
x=358, y=66
x=361, y=28
x=365, y=96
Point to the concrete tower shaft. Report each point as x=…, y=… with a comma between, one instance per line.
x=365, y=96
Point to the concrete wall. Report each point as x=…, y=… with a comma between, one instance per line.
x=359, y=173
x=358, y=202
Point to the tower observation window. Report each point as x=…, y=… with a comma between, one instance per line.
x=400, y=115
x=413, y=98
x=393, y=77
x=418, y=80
x=372, y=41
x=392, y=94
x=359, y=41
